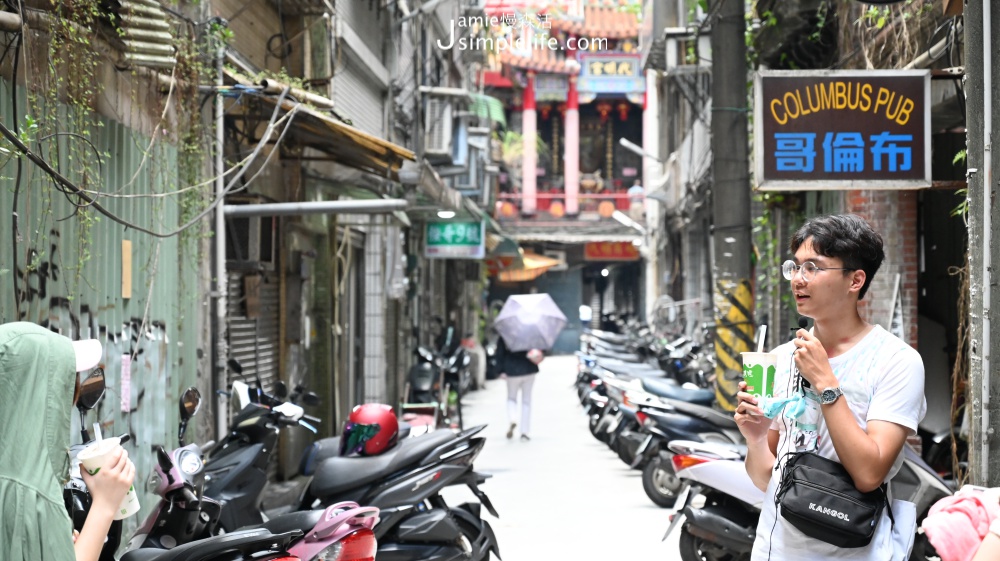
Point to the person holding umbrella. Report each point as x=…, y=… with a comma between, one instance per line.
x=527, y=325
x=519, y=371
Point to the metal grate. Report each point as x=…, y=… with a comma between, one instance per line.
x=253, y=341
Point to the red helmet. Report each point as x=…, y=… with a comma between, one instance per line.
x=371, y=429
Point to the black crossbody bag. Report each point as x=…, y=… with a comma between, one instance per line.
x=818, y=497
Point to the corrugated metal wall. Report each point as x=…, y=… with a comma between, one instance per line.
x=73, y=283
x=253, y=335
x=253, y=314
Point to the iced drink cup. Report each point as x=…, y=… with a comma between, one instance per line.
x=93, y=457
x=758, y=373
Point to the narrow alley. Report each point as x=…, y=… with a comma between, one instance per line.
x=563, y=491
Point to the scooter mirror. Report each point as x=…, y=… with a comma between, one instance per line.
x=235, y=365
x=91, y=390
x=190, y=403
x=425, y=353
x=280, y=389
x=310, y=399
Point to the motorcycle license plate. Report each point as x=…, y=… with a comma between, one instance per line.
x=682, y=499
x=643, y=446
x=614, y=424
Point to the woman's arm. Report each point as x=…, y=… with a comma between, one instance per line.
x=107, y=490
x=989, y=550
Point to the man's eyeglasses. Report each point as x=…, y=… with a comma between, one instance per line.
x=809, y=270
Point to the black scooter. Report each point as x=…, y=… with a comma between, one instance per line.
x=405, y=484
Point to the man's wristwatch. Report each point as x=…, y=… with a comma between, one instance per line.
x=830, y=395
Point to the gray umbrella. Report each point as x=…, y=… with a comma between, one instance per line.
x=529, y=321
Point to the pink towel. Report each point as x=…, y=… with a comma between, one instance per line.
x=956, y=525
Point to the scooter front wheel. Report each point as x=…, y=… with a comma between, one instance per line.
x=660, y=482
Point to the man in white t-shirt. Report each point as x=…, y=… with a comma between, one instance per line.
x=865, y=391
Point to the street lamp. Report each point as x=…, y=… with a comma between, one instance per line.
x=637, y=150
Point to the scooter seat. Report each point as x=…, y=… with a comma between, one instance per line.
x=632, y=369
x=329, y=447
x=338, y=473
x=663, y=388
x=303, y=521
x=614, y=355
x=705, y=413
x=618, y=338
x=246, y=542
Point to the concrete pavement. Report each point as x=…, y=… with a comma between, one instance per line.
x=563, y=492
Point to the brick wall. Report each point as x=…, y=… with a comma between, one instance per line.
x=894, y=215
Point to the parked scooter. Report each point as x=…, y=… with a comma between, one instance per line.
x=236, y=470
x=182, y=515
x=405, y=482
x=663, y=423
x=726, y=526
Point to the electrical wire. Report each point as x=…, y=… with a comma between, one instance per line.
x=71, y=189
x=15, y=233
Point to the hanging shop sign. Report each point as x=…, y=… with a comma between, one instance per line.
x=455, y=240
x=610, y=251
x=611, y=73
x=842, y=130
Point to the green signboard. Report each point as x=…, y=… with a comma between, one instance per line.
x=455, y=240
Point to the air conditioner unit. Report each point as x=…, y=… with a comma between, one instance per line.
x=438, y=128
x=558, y=255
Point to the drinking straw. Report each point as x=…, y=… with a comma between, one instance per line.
x=97, y=432
x=760, y=342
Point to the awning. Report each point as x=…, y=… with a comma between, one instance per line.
x=488, y=108
x=343, y=143
x=502, y=253
x=534, y=266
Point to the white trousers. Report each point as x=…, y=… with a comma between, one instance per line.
x=522, y=384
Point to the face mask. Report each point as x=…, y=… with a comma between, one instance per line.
x=793, y=406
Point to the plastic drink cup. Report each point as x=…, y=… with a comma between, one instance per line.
x=92, y=459
x=758, y=373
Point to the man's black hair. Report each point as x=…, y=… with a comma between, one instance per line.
x=847, y=237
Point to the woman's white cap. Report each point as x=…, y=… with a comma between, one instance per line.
x=88, y=354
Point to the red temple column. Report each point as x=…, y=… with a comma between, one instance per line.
x=571, y=174
x=529, y=159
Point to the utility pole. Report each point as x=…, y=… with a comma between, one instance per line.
x=982, y=102
x=732, y=247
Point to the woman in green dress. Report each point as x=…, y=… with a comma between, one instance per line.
x=39, y=384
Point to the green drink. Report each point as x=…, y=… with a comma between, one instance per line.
x=758, y=373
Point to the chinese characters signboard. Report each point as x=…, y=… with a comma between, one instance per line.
x=610, y=251
x=455, y=240
x=842, y=129
x=617, y=73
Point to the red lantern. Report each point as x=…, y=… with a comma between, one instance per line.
x=557, y=209
x=546, y=110
x=623, y=108
x=603, y=109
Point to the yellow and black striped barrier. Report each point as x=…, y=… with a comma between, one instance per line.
x=733, y=335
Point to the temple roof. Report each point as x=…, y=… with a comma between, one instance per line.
x=600, y=20
x=542, y=60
